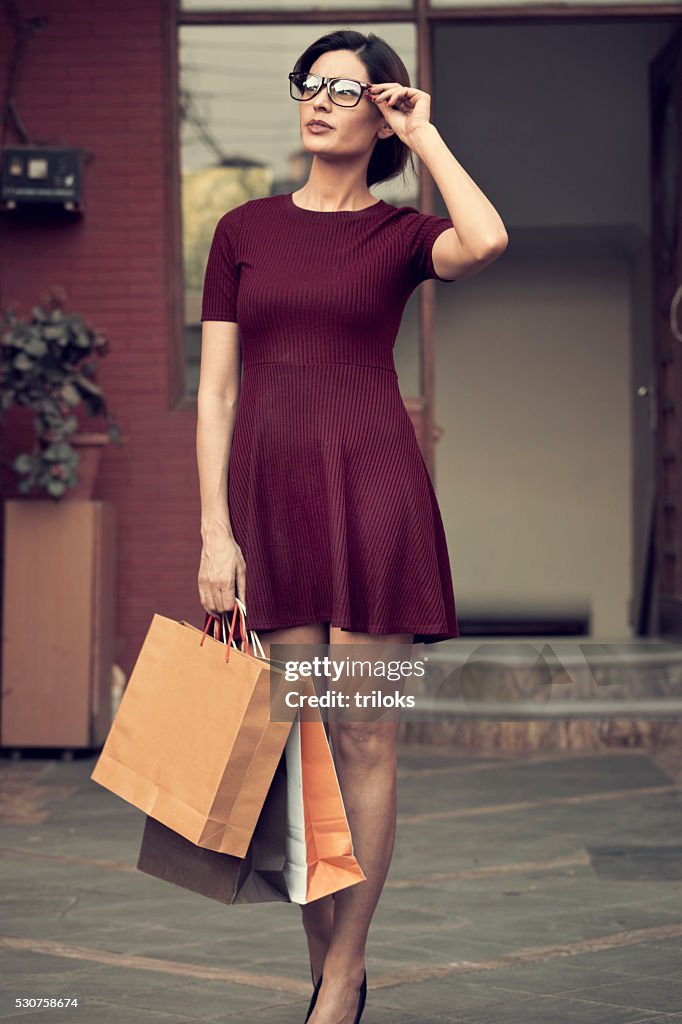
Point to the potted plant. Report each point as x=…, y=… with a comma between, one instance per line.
x=48, y=364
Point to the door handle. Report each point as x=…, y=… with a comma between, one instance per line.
x=673, y=313
x=649, y=391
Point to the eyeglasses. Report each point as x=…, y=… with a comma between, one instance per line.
x=345, y=92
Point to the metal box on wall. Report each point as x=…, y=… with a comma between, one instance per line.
x=45, y=177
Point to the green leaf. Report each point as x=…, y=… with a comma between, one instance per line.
x=56, y=488
x=22, y=362
x=81, y=339
x=54, y=332
x=23, y=463
x=60, y=451
x=70, y=394
x=35, y=347
x=88, y=385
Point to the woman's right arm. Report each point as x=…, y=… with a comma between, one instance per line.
x=222, y=562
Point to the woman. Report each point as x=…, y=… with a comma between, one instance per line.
x=328, y=501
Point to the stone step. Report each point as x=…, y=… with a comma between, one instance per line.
x=545, y=693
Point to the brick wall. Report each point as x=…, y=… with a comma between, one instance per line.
x=96, y=75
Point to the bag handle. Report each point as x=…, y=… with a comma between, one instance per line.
x=219, y=621
x=255, y=639
x=239, y=607
x=218, y=628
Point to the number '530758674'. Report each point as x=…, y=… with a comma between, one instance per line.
x=44, y=1001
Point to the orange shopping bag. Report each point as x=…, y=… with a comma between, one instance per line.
x=319, y=848
x=193, y=744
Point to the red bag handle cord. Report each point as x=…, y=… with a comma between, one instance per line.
x=210, y=616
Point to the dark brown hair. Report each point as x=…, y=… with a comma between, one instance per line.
x=390, y=156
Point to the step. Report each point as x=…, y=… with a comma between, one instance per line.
x=546, y=693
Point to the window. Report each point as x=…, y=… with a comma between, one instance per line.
x=240, y=139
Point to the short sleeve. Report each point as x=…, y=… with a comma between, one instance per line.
x=221, y=279
x=421, y=230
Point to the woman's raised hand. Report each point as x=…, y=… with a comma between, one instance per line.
x=406, y=110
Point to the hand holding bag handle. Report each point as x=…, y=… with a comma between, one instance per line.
x=221, y=627
x=230, y=642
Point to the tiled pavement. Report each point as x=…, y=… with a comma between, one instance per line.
x=541, y=889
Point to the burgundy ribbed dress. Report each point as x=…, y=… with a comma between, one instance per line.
x=329, y=496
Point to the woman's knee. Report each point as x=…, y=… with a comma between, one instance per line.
x=366, y=743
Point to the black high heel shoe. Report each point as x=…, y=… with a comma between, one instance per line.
x=361, y=998
x=313, y=998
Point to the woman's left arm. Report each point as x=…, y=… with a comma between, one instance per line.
x=478, y=235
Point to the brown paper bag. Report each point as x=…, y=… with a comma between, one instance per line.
x=256, y=878
x=193, y=744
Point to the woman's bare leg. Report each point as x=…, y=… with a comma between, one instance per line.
x=365, y=756
x=317, y=916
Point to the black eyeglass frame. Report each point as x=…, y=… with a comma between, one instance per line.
x=326, y=81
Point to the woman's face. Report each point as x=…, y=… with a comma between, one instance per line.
x=354, y=130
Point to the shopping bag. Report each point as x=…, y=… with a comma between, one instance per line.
x=319, y=858
x=319, y=849
x=256, y=878
x=275, y=868
x=196, y=740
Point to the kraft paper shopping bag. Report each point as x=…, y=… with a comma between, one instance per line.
x=256, y=878
x=195, y=742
